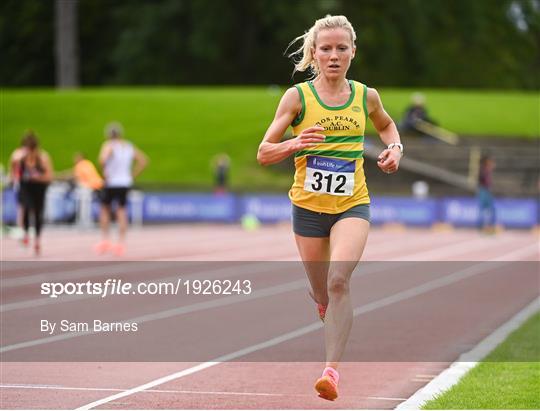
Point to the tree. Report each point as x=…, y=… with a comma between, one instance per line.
x=66, y=44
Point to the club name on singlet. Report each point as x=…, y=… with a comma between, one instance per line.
x=329, y=177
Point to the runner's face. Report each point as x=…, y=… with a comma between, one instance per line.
x=333, y=52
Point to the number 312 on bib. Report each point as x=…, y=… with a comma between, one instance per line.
x=329, y=176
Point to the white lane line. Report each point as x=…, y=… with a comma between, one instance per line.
x=453, y=374
x=63, y=388
x=386, y=247
x=76, y=273
x=458, y=248
x=429, y=286
x=233, y=393
x=110, y=268
x=385, y=398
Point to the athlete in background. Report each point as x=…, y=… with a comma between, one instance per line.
x=35, y=174
x=15, y=177
x=122, y=162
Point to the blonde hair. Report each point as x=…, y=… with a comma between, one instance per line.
x=302, y=57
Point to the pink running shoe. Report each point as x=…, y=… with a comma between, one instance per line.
x=118, y=249
x=326, y=386
x=102, y=247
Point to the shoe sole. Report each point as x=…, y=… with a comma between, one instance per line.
x=326, y=389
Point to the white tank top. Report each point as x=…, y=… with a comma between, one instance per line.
x=117, y=169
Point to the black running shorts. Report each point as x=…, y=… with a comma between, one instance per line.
x=309, y=223
x=114, y=194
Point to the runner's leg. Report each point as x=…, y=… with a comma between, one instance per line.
x=121, y=217
x=347, y=241
x=315, y=253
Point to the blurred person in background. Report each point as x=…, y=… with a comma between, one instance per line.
x=221, y=164
x=85, y=184
x=85, y=173
x=122, y=162
x=486, y=202
x=415, y=114
x=15, y=177
x=36, y=172
x=329, y=194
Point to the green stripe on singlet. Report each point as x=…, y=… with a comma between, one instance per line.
x=331, y=153
x=343, y=139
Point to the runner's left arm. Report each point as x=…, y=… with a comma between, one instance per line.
x=386, y=128
x=141, y=161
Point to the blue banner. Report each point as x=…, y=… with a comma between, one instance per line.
x=267, y=208
x=509, y=212
x=189, y=207
x=403, y=210
x=227, y=208
x=517, y=213
x=9, y=207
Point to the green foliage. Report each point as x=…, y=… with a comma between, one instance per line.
x=26, y=43
x=181, y=129
x=411, y=43
x=509, y=378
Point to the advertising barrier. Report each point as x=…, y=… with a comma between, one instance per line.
x=230, y=208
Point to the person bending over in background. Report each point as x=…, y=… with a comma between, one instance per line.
x=117, y=157
x=329, y=195
x=85, y=173
x=415, y=115
x=36, y=172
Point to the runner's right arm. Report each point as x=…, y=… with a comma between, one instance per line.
x=104, y=153
x=272, y=150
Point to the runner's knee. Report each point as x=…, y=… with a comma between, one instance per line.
x=338, y=286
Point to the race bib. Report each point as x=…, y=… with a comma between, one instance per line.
x=329, y=176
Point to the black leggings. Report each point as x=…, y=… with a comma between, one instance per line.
x=33, y=202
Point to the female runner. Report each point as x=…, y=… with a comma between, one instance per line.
x=329, y=195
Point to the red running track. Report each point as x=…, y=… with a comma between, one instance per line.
x=248, y=381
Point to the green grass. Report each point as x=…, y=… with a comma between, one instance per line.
x=183, y=128
x=509, y=378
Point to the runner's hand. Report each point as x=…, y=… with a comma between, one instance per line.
x=388, y=160
x=308, y=138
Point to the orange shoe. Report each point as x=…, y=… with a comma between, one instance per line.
x=326, y=386
x=118, y=249
x=102, y=247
